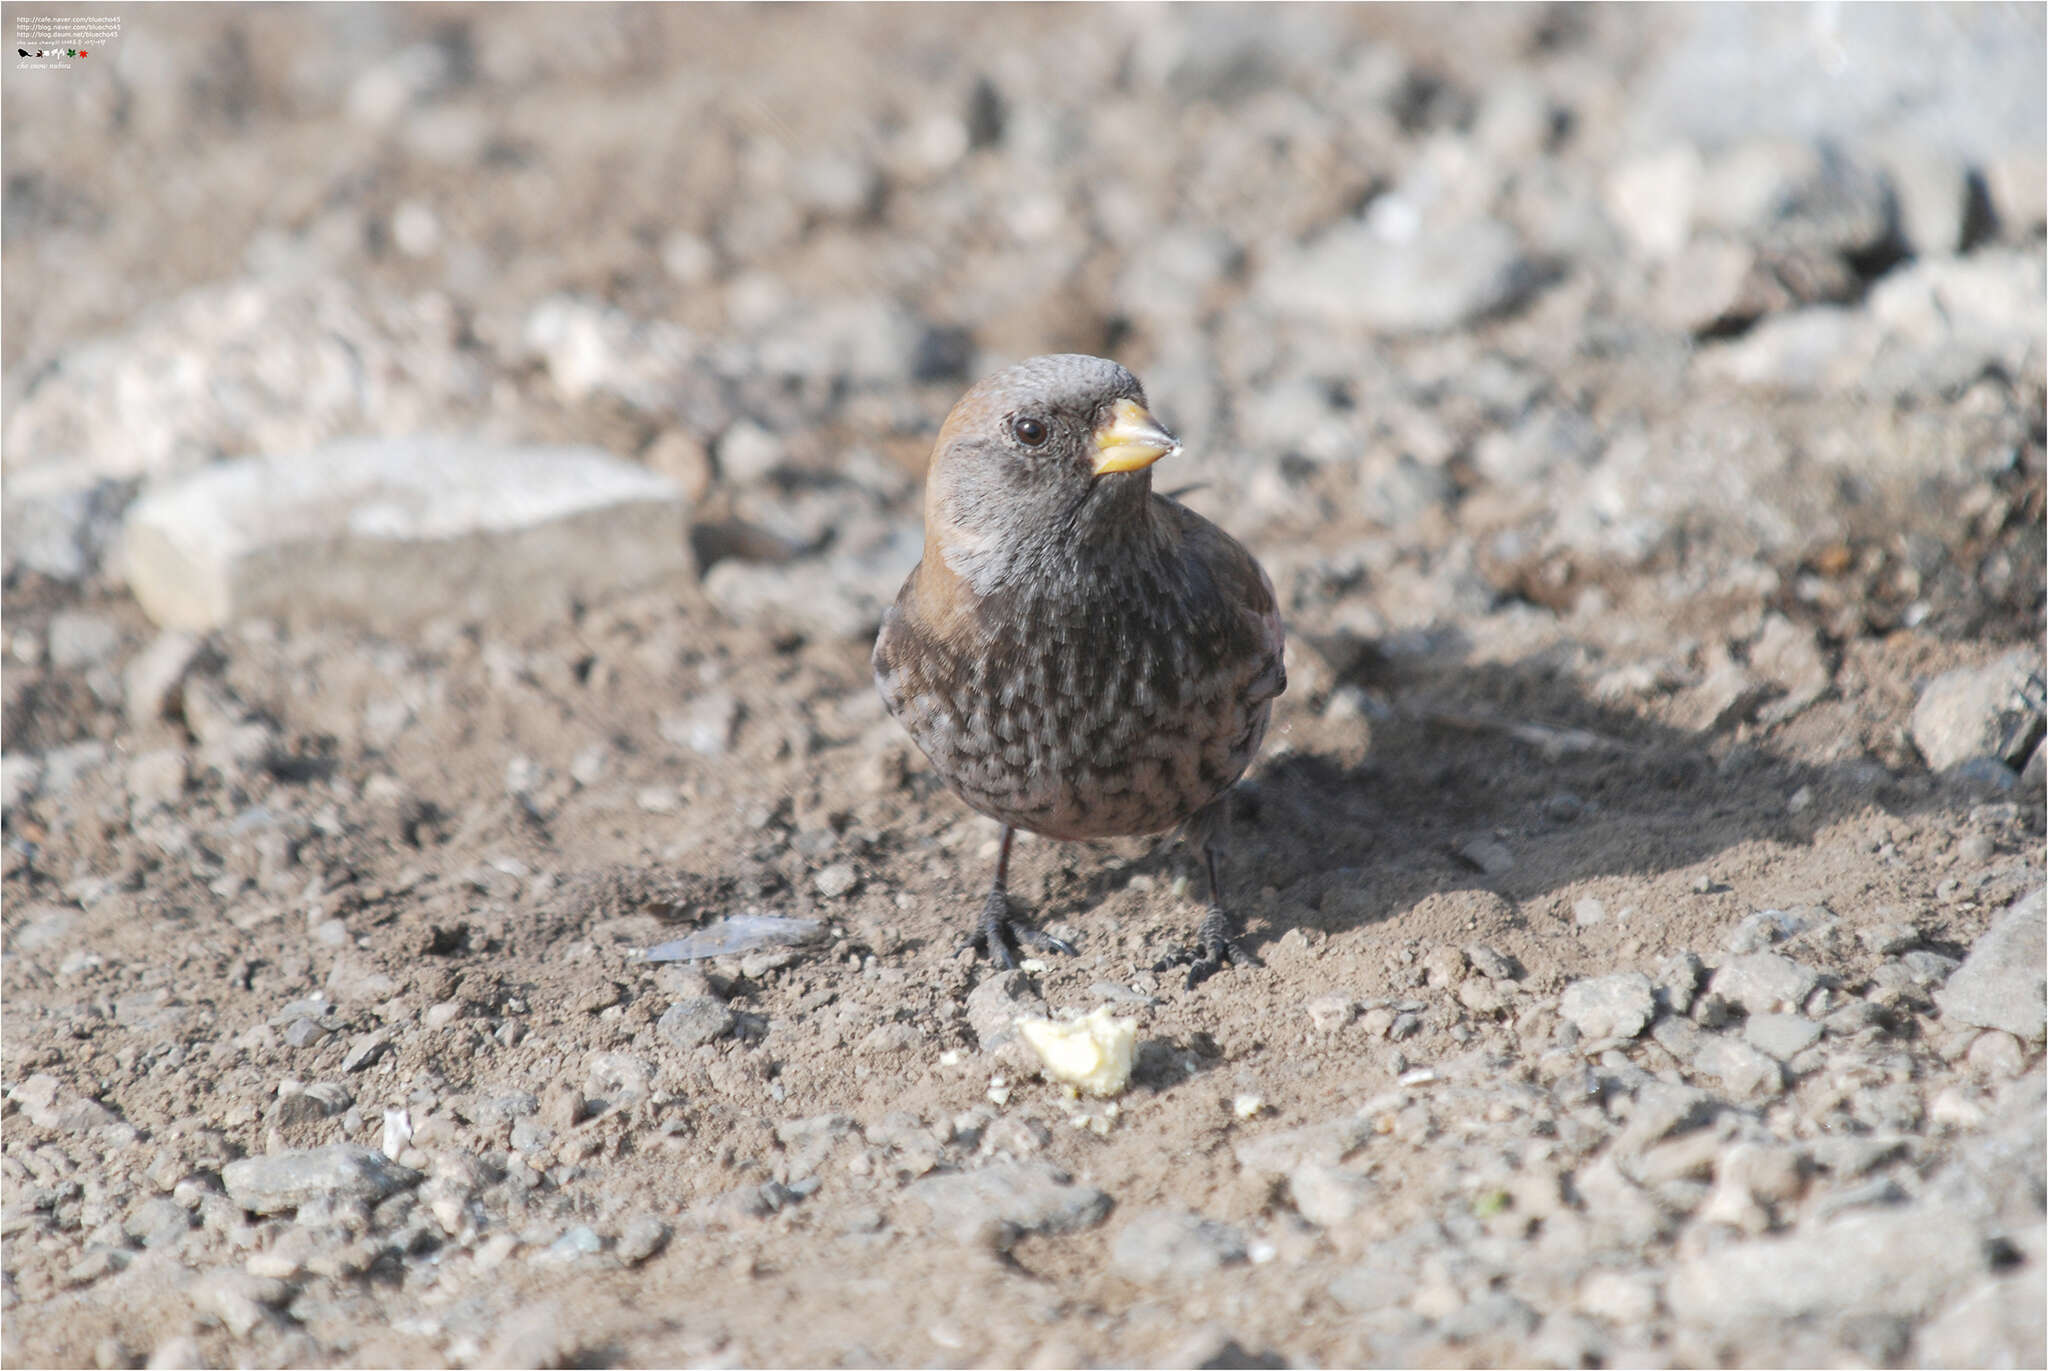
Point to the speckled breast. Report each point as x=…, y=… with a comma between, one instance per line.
x=1085, y=721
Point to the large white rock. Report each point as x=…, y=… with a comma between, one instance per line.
x=391, y=532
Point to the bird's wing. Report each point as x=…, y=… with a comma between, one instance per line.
x=1244, y=586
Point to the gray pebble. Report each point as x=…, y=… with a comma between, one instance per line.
x=993, y=1008
x=158, y=1222
x=641, y=1238
x=1433, y=281
x=1888, y=939
x=286, y=1180
x=1495, y=966
x=79, y=640
x=1763, y=928
x=1783, y=1036
x=1742, y=1070
x=1988, y=711
x=1677, y=981
x=836, y=880
x=1764, y=982
x=1617, y=1006
x=156, y=675
x=2001, y=983
x=365, y=1051
x=694, y=1021
x=578, y=1242
x=1331, y=1012
x=1173, y=1245
x=1009, y=1196
x=156, y=779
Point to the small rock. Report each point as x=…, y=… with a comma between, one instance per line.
x=156, y=779
x=1651, y=198
x=2001, y=984
x=1783, y=1036
x=1625, y=1298
x=1933, y=194
x=80, y=640
x=695, y=1020
x=1484, y=997
x=1743, y=1071
x=365, y=1051
x=1988, y=711
x=747, y=453
x=836, y=880
x=1009, y=1197
x=175, y=1352
x=1488, y=855
x=1331, y=1012
x=574, y=1244
x=1677, y=981
x=641, y=1238
x=532, y=1335
x=1495, y=966
x=1435, y=281
x=1999, y=1322
x=1172, y=1245
x=242, y=1302
x=1928, y=969
x=391, y=532
x=1892, y=1264
x=1763, y=929
x=20, y=778
x=891, y=1038
x=1794, y=194
x=1275, y=1155
x=158, y=1222
x=285, y=1180
x=1548, y=445
x=707, y=726
x=1617, y=1006
x=993, y=1008
x=1890, y=939
x=60, y=530
x=1764, y=982
x=1588, y=911
x=1328, y=1196
x=1373, y=1286
x=2000, y=1056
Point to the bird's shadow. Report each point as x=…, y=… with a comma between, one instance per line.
x=1473, y=763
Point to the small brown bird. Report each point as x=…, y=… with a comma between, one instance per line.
x=1077, y=655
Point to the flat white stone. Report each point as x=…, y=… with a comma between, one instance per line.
x=390, y=532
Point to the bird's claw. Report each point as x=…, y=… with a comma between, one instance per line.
x=1220, y=946
x=1002, y=936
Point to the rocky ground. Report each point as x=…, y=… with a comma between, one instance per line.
x=1639, y=410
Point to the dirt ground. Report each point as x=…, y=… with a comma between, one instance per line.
x=1638, y=681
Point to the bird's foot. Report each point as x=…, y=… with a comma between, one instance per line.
x=1003, y=937
x=1220, y=945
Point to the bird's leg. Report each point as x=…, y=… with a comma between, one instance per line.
x=1219, y=931
x=1219, y=934
x=997, y=931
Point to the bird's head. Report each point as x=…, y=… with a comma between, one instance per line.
x=1050, y=451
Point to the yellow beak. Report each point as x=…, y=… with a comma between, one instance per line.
x=1131, y=440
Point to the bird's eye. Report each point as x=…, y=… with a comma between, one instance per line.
x=1028, y=431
